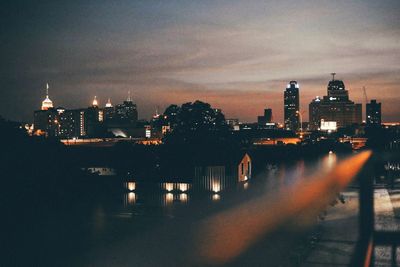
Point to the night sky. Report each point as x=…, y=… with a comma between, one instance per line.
x=236, y=55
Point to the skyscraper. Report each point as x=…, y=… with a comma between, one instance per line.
x=70, y=124
x=336, y=106
x=93, y=119
x=109, y=111
x=45, y=120
x=292, y=106
x=127, y=112
x=314, y=113
x=373, y=113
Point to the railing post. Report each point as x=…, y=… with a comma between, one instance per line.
x=366, y=202
x=364, y=251
x=366, y=214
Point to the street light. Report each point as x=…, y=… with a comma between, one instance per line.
x=301, y=120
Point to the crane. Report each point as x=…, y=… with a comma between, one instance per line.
x=365, y=94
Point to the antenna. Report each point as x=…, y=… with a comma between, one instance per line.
x=47, y=89
x=129, y=96
x=333, y=75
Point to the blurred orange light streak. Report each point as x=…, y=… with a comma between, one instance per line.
x=226, y=235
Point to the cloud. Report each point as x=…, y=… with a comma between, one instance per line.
x=237, y=56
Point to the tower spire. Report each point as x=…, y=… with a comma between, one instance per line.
x=129, y=96
x=47, y=103
x=333, y=75
x=95, y=102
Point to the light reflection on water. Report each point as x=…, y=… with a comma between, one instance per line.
x=216, y=197
x=212, y=182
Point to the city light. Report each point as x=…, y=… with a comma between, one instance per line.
x=169, y=187
x=183, y=197
x=183, y=187
x=131, y=198
x=169, y=198
x=216, y=197
x=131, y=186
x=216, y=187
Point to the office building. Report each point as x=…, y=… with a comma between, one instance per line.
x=126, y=113
x=266, y=118
x=292, y=106
x=334, y=107
x=373, y=113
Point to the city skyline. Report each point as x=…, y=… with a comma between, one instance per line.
x=47, y=103
x=235, y=56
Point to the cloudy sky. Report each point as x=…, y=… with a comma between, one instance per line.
x=236, y=55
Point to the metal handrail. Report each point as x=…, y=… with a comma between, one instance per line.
x=368, y=236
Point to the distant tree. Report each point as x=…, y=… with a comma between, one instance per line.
x=199, y=116
x=171, y=115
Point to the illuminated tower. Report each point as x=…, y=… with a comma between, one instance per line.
x=292, y=106
x=46, y=120
x=109, y=111
x=47, y=103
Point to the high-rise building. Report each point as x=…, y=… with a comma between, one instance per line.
x=88, y=122
x=373, y=113
x=109, y=112
x=45, y=120
x=266, y=118
x=126, y=112
x=336, y=106
x=292, y=106
x=93, y=119
x=314, y=113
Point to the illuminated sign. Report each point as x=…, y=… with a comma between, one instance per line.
x=328, y=126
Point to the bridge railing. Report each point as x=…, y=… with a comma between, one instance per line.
x=369, y=237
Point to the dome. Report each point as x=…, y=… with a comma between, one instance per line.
x=47, y=103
